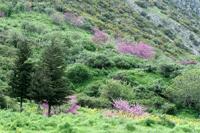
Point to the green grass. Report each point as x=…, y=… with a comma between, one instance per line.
x=92, y=120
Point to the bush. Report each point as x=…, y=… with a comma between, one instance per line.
x=93, y=90
x=99, y=36
x=31, y=27
x=141, y=50
x=169, y=108
x=2, y=102
x=78, y=73
x=125, y=77
x=185, y=89
x=57, y=18
x=99, y=61
x=93, y=102
x=115, y=89
x=149, y=122
x=150, y=68
x=169, y=70
x=89, y=46
x=126, y=62
x=6, y=10
x=165, y=122
x=130, y=127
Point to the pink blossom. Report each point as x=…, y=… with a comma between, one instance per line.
x=140, y=49
x=124, y=106
x=99, y=36
x=121, y=105
x=74, y=106
x=188, y=62
x=73, y=109
x=72, y=18
x=45, y=107
x=2, y=14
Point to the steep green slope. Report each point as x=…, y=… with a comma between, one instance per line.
x=157, y=23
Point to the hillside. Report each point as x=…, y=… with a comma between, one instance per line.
x=141, y=51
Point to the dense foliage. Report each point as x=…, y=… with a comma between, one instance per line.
x=125, y=58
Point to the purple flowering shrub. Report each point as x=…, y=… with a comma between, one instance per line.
x=72, y=109
x=73, y=105
x=73, y=19
x=45, y=107
x=2, y=14
x=188, y=62
x=140, y=49
x=125, y=107
x=99, y=36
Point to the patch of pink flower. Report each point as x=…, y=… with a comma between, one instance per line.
x=188, y=62
x=99, y=36
x=140, y=49
x=74, y=106
x=2, y=14
x=124, y=106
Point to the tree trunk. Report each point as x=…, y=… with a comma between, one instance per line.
x=21, y=104
x=49, y=110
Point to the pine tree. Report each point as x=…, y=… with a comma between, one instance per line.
x=48, y=82
x=21, y=77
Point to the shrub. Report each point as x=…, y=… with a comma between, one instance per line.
x=88, y=45
x=185, y=89
x=99, y=61
x=169, y=70
x=2, y=14
x=149, y=122
x=93, y=102
x=93, y=90
x=125, y=77
x=31, y=27
x=169, y=108
x=78, y=73
x=135, y=110
x=114, y=90
x=99, y=36
x=2, y=102
x=57, y=18
x=5, y=10
x=188, y=62
x=150, y=68
x=141, y=49
x=130, y=127
x=165, y=122
x=126, y=62
x=73, y=19
x=142, y=4
x=14, y=38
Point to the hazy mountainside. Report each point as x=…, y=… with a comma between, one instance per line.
x=189, y=6
x=164, y=14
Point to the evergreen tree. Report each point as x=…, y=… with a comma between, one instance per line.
x=21, y=77
x=48, y=81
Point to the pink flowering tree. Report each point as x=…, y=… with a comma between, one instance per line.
x=124, y=106
x=140, y=49
x=45, y=107
x=2, y=14
x=72, y=109
x=72, y=18
x=99, y=36
x=73, y=105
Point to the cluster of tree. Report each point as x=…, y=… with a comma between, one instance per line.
x=44, y=82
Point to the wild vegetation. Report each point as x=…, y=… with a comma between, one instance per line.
x=98, y=66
